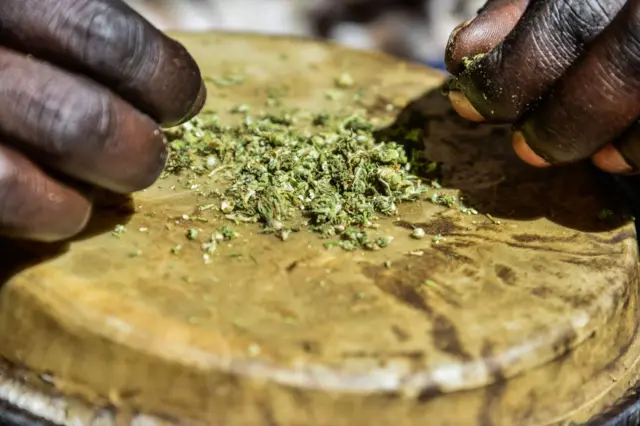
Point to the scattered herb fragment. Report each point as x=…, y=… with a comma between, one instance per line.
x=135, y=253
x=227, y=233
x=227, y=80
x=192, y=234
x=344, y=80
x=118, y=231
x=418, y=233
x=492, y=219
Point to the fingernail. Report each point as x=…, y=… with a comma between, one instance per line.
x=464, y=108
x=610, y=160
x=525, y=153
x=200, y=101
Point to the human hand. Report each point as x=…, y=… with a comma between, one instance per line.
x=566, y=73
x=85, y=86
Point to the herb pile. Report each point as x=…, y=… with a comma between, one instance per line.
x=295, y=171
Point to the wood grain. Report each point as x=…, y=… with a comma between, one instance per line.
x=532, y=321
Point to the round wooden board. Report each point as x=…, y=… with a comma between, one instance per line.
x=531, y=320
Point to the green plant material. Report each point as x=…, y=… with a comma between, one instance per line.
x=444, y=200
x=118, y=231
x=493, y=220
x=468, y=62
x=326, y=173
x=430, y=283
x=418, y=233
x=334, y=95
x=135, y=253
x=241, y=109
x=192, y=233
x=227, y=80
x=344, y=80
x=227, y=233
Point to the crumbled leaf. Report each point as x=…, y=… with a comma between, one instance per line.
x=418, y=233
x=118, y=231
x=192, y=234
x=227, y=80
x=344, y=80
x=329, y=172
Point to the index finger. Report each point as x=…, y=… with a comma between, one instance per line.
x=109, y=42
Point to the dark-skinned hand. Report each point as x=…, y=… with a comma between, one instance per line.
x=566, y=73
x=85, y=86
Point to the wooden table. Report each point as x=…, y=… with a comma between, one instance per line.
x=532, y=320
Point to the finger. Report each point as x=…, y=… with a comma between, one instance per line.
x=595, y=101
x=551, y=35
x=108, y=41
x=610, y=159
x=77, y=126
x=33, y=205
x=482, y=33
x=623, y=156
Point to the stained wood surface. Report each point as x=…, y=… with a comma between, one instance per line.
x=532, y=318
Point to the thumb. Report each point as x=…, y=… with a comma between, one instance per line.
x=486, y=30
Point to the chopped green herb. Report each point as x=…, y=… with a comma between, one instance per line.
x=118, y=231
x=240, y=109
x=226, y=81
x=338, y=177
x=334, y=95
x=344, y=80
x=330, y=174
x=468, y=62
x=136, y=253
x=192, y=233
x=227, y=233
x=492, y=219
x=418, y=233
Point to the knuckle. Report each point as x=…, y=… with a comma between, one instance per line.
x=73, y=122
x=124, y=51
x=585, y=19
x=109, y=37
x=629, y=42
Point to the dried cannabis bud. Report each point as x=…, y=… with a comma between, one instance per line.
x=291, y=171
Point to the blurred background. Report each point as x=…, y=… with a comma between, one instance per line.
x=412, y=29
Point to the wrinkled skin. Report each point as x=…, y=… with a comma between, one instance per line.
x=85, y=86
x=566, y=73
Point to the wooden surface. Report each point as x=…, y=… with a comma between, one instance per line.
x=532, y=319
